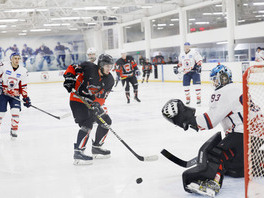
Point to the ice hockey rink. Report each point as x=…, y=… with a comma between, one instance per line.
x=39, y=164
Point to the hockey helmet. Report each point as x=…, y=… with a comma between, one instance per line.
x=221, y=76
x=14, y=54
x=91, y=50
x=104, y=59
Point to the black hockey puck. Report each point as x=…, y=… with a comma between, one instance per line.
x=139, y=180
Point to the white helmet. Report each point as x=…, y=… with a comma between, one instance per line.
x=91, y=50
x=123, y=51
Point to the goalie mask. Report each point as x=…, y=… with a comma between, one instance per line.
x=105, y=63
x=221, y=76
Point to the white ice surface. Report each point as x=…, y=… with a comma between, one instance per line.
x=39, y=164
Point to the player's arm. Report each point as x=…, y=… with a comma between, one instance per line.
x=70, y=76
x=23, y=90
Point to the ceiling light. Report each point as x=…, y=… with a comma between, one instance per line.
x=218, y=5
x=222, y=42
x=42, y=10
x=4, y=32
x=9, y=20
x=20, y=10
x=245, y=4
x=162, y=24
x=174, y=19
x=92, y=8
x=73, y=29
x=24, y=30
x=52, y=24
x=40, y=30
x=261, y=11
x=258, y=3
x=65, y=24
x=22, y=34
x=3, y=26
x=153, y=20
x=115, y=7
x=201, y=23
x=160, y=28
x=127, y=27
x=191, y=19
x=240, y=21
x=171, y=24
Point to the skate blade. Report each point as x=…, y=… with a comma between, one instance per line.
x=82, y=162
x=194, y=188
x=98, y=156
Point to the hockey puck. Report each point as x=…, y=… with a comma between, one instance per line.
x=139, y=180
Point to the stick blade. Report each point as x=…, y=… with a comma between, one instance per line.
x=151, y=158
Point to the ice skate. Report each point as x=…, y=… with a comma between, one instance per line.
x=13, y=134
x=137, y=99
x=188, y=102
x=100, y=153
x=207, y=188
x=199, y=103
x=80, y=158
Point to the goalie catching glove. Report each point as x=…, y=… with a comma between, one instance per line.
x=179, y=114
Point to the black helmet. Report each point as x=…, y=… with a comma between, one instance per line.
x=105, y=59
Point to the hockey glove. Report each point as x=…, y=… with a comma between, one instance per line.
x=176, y=69
x=69, y=82
x=27, y=102
x=137, y=73
x=97, y=109
x=179, y=114
x=198, y=69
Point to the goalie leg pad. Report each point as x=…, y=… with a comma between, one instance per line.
x=206, y=168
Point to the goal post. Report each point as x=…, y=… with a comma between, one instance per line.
x=253, y=105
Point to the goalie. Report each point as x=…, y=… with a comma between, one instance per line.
x=217, y=157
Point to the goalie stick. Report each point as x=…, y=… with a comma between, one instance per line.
x=57, y=117
x=141, y=158
x=176, y=160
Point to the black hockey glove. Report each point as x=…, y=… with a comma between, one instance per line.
x=97, y=109
x=84, y=91
x=69, y=82
x=179, y=114
x=27, y=102
x=176, y=69
x=137, y=73
x=198, y=69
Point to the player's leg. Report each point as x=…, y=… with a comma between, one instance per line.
x=147, y=77
x=85, y=120
x=15, y=107
x=197, y=86
x=127, y=89
x=186, y=85
x=134, y=82
x=58, y=61
x=201, y=178
x=143, y=76
x=63, y=60
x=3, y=107
x=41, y=62
x=100, y=136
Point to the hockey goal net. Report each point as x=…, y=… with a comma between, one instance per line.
x=253, y=102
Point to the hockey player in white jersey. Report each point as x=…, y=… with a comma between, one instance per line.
x=217, y=157
x=259, y=57
x=12, y=84
x=91, y=54
x=190, y=62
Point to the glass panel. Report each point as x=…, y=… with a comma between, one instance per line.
x=206, y=18
x=165, y=26
x=170, y=54
x=249, y=11
x=133, y=33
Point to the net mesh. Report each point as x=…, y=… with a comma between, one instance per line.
x=255, y=129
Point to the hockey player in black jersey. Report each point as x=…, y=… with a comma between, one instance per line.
x=128, y=70
x=93, y=83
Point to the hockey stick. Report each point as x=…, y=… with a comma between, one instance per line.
x=57, y=117
x=141, y=158
x=176, y=160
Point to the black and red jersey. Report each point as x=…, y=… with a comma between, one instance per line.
x=88, y=73
x=147, y=66
x=126, y=67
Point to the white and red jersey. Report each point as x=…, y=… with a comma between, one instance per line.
x=259, y=57
x=189, y=60
x=226, y=108
x=13, y=81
